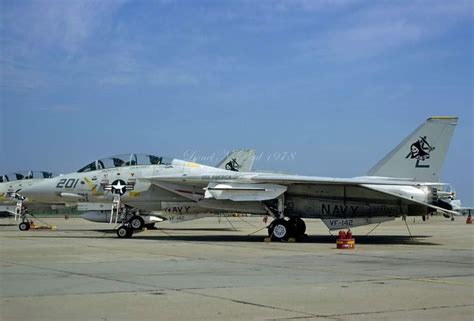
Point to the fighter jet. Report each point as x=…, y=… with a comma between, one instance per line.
x=88, y=196
x=461, y=210
x=13, y=203
x=404, y=183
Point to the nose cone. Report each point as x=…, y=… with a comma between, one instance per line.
x=41, y=192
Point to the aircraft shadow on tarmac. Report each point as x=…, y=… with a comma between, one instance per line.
x=374, y=239
x=167, y=235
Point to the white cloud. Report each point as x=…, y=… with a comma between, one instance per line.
x=61, y=24
x=385, y=26
x=32, y=33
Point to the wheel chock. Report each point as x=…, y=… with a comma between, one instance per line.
x=44, y=227
x=345, y=244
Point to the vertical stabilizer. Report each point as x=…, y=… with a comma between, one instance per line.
x=239, y=160
x=421, y=155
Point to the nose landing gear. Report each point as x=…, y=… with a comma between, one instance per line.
x=21, y=214
x=137, y=222
x=130, y=219
x=24, y=226
x=134, y=224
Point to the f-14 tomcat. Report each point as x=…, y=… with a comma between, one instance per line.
x=14, y=203
x=93, y=197
x=404, y=183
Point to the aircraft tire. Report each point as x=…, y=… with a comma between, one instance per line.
x=137, y=222
x=299, y=225
x=279, y=230
x=124, y=232
x=24, y=226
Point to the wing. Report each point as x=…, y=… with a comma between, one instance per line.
x=176, y=185
x=288, y=179
x=266, y=186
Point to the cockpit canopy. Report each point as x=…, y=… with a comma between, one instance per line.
x=125, y=160
x=18, y=176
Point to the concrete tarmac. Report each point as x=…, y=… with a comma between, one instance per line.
x=206, y=270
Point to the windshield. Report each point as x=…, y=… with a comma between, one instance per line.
x=125, y=160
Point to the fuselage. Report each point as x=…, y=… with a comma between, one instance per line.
x=301, y=200
x=12, y=183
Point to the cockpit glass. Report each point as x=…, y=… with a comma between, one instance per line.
x=126, y=160
x=88, y=168
x=155, y=160
x=23, y=175
x=118, y=162
x=47, y=174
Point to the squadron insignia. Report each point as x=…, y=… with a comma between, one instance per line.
x=232, y=165
x=420, y=150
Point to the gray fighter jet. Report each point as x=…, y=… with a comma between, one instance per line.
x=13, y=203
x=89, y=196
x=461, y=210
x=404, y=183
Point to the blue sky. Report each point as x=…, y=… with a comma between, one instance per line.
x=333, y=84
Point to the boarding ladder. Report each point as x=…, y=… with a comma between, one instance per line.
x=116, y=210
x=19, y=210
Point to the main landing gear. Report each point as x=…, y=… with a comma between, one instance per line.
x=21, y=214
x=282, y=227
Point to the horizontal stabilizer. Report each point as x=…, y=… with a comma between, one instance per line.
x=410, y=200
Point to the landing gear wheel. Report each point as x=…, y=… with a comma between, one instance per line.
x=24, y=226
x=124, y=232
x=137, y=222
x=279, y=230
x=298, y=225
